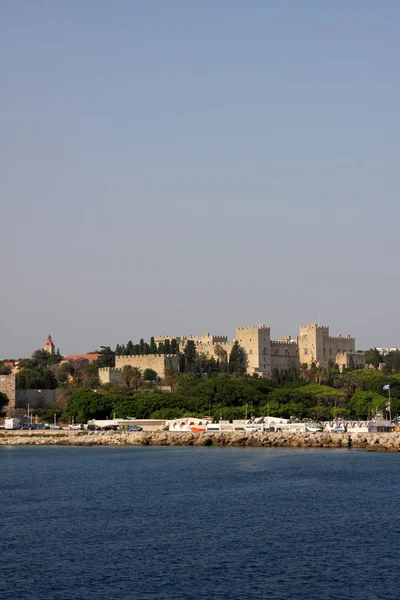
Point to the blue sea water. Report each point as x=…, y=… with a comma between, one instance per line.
x=193, y=523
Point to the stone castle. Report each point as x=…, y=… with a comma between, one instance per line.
x=263, y=355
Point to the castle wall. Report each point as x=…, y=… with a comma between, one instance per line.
x=161, y=339
x=8, y=387
x=110, y=375
x=151, y=361
x=284, y=355
x=342, y=359
x=35, y=398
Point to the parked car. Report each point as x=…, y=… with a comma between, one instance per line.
x=110, y=428
x=52, y=426
x=314, y=428
x=339, y=429
x=30, y=427
x=93, y=427
x=76, y=426
x=135, y=428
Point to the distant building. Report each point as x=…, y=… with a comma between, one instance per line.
x=312, y=345
x=384, y=351
x=90, y=357
x=49, y=345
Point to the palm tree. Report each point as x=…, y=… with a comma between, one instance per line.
x=127, y=375
x=220, y=353
x=304, y=372
x=136, y=378
x=320, y=375
x=171, y=377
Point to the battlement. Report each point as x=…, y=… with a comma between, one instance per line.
x=350, y=353
x=283, y=342
x=142, y=356
x=305, y=328
x=340, y=338
x=253, y=328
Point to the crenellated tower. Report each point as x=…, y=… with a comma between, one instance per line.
x=256, y=342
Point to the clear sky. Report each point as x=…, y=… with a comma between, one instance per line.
x=185, y=166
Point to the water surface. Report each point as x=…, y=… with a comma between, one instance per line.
x=194, y=523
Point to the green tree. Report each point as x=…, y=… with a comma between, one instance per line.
x=107, y=358
x=136, y=379
x=150, y=375
x=237, y=359
x=174, y=346
x=127, y=375
x=365, y=404
x=372, y=357
x=221, y=353
x=171, y=377
x=153, y=346
x=190, y=353
x=129, y=348
x=167, y=346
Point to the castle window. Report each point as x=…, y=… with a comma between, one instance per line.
x=250, y=351
x=305, y=350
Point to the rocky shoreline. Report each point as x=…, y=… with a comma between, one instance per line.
x=377, y=442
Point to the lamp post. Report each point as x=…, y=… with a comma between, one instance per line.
x=55, y=419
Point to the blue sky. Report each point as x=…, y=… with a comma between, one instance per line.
x=181, y=167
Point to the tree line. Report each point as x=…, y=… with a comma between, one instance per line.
x=355, y=395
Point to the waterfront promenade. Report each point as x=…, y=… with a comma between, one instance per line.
x=384, y=442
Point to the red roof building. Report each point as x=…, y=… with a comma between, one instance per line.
x=49, y=345
x=89, y=357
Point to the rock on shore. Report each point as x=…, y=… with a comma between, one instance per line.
x=384, y=442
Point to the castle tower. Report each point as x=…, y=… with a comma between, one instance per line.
x=312, y=343
x=256, y=341
x=49, y=345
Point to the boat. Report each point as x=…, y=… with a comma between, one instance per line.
x=198, y=429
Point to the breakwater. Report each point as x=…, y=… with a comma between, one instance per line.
x=378, y=442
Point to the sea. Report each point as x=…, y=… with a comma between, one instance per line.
x=105, y=523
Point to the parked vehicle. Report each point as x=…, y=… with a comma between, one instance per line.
x=12, y=423
x=135, y=428
x=28, y=427
x=52, y=426
x=110, y=428
x=314, y=428
x=339, y=429
x=93, y=427
x=76, y=426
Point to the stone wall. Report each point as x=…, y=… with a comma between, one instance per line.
x=151, y=361
x=35, y=398
x=8, y=387
x=342, y=359
x=21, y=398
x=284, y=355
x=110, y=375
